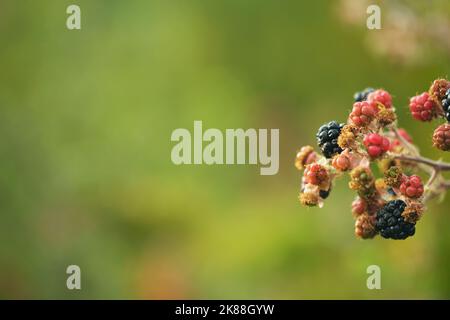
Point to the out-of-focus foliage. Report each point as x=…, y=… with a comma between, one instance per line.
x=413, y=32
x=86, y=176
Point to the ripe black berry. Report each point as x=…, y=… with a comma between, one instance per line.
x=446, y=105
x=390, y=223
x=362, y=95
x=327, y=137
x=324, y=193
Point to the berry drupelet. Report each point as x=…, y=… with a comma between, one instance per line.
x=390, y=222
x=362, y=95
x=327, y=138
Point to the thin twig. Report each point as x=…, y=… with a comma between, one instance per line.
x=433, y=177
x=441, y=166
x=413, y=149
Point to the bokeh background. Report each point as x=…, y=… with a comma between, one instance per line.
x=85, y=124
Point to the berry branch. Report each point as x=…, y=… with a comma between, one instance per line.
x=436, y=165
x=391, y=205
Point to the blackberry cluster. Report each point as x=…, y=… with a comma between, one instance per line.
x=446, y=105
x=390, y=223
x=327, y=138
x=362, y=95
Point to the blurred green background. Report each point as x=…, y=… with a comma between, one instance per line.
x=85, y=124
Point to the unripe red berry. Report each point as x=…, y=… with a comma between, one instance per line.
x=376, y=144
x=380, y=96
x=359, y=206
x=441, y=137
x=439, y=88
x=423, y=107
x=363, y=113
x=305, y=156
x=365, y=226
x=316, y=174
x=412, y=186
x=341, y=162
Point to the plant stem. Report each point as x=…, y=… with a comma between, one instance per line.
x=432, y=178
x=437, y=165
x=412, y=149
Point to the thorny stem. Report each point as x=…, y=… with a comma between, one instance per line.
x=437, y=165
